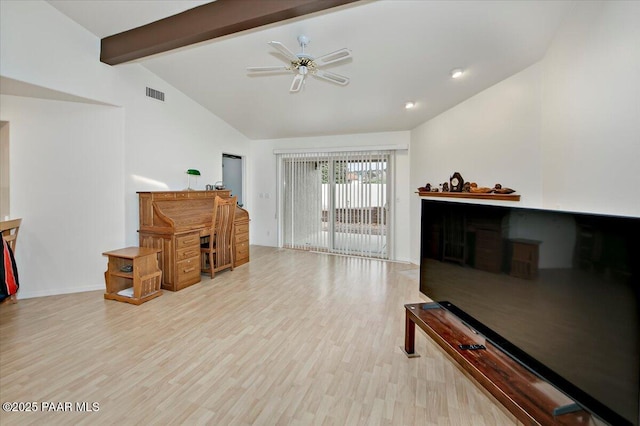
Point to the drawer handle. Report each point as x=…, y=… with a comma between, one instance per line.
x=189, y=269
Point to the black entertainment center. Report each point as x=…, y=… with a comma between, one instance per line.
x=559, y=292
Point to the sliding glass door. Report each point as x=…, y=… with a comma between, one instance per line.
x=336, y=202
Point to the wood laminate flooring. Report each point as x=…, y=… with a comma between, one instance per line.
x=290, y=338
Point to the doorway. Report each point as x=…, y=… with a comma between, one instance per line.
x=232, y=172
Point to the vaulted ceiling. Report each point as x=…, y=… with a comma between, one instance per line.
x=403, y=50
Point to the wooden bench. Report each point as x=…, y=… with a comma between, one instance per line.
x=529, y=398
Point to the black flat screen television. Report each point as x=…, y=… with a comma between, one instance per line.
x=558, y=291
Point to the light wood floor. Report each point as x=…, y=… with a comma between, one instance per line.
x=289, y=338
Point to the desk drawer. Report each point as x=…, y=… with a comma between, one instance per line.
x=191, y=241
x=188, y=270
x=187, y=253
x=240, y=238
x=196, y=194
x=163, y=195
x=242, y=250
x=242, y=254
x=242, y=228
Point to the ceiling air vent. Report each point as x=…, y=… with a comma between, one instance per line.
x=155, y=94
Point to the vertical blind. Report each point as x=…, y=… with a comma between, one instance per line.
x=336, y=202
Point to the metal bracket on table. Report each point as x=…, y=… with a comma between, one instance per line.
x=567, y=408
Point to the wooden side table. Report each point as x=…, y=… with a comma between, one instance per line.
x=524, y=258
x=133, y=275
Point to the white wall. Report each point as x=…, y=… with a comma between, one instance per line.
x=591, y=111
x=264, y=186
x=562, y=132
x=137, y=144
x=67, y=181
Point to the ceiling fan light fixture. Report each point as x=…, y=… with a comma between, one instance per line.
x=409, y=104
x=457, y=73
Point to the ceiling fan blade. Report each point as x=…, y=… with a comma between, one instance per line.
x=332, y=77
x=283, y=49
x=296, y=84
x=268, y=69
x=330, y=58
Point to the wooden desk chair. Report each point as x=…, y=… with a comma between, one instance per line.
x=9, y=230
x=217, y=254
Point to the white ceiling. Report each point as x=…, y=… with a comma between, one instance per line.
x=403, y=50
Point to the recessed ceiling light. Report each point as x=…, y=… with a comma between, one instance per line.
x=456, y=73
x=409, y=105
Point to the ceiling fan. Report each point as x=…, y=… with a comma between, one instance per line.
x=302, y=64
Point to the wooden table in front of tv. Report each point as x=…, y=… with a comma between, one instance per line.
x=532, y=400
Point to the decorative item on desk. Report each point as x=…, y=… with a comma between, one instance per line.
x=219, y=185
x=445, y=187
x=192, y=172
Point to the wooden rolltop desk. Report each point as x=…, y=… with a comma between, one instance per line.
x=174, y=221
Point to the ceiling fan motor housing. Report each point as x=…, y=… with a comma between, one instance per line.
x=304, y=62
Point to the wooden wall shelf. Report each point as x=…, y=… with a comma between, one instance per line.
x=473, y=195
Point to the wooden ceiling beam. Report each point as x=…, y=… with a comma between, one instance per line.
x=206, y=22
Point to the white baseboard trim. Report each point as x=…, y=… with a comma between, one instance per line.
x=24, y=293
